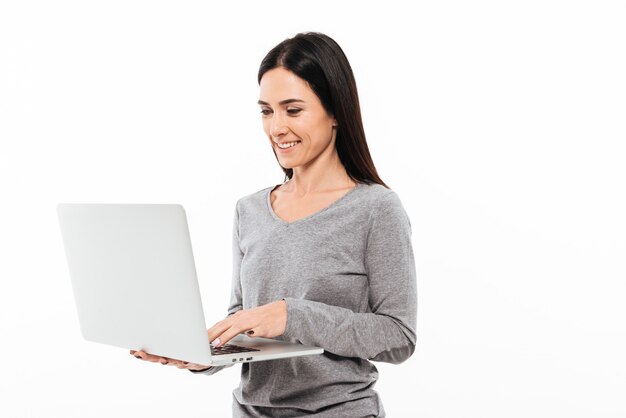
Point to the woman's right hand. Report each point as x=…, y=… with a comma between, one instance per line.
x=142, y=355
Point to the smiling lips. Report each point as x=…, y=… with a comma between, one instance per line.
x=287, y=145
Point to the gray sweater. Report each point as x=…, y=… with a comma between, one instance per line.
x=347, y=273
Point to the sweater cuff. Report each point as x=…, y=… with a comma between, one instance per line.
x=294, y=319
x=205, y=371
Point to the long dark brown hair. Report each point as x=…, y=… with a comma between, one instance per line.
x=320, y=61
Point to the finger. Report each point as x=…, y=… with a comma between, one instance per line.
x=153, y=359
x=229, y=334
x=170, y=362
x=219, y=328
x=167, y=361
x=176, y=363
x=145, y=356
x=193, y=366
x=139, y=354
x=197, y=367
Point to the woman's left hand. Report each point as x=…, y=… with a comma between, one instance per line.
x=142, y=355
x=265, y=321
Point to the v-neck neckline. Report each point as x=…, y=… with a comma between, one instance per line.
x=305, y=218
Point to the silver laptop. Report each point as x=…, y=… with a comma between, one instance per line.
x=135, y=286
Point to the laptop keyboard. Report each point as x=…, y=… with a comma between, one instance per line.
x=230, y=349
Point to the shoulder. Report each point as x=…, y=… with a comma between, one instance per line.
x=253, y=200
x=378, y=197
x=385, y=206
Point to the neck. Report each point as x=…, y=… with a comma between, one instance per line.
x=325, y=173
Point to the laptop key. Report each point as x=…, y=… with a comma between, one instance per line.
x=230, y=349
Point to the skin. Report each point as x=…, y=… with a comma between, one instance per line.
x=290, y=112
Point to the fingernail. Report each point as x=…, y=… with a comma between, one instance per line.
x=164, y=363
x=216, y=342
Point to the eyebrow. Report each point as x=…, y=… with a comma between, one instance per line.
x=282, y=102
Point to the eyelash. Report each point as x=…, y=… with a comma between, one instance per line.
x=294, y=111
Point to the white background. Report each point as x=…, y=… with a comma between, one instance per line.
x=501, y=125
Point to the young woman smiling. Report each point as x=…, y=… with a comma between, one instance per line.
x=325, y=258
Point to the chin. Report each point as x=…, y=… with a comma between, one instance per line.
x=288, y=166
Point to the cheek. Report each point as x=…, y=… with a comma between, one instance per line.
x=315, y=131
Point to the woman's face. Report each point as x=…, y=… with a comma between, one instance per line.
x=292, y=113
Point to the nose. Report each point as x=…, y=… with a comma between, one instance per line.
x=278, y=125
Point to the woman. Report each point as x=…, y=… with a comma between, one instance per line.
x=323, y=259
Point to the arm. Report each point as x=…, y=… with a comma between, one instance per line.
x=235, y=295
x=387, y=333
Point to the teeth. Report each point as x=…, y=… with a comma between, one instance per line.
x=287, y=145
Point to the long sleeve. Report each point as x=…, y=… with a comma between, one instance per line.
x=236, y=303
x=347, y=273
x=235, y=295
x=386, y=331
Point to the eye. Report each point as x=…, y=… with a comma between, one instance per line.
x=293, y=110
x=266, y=112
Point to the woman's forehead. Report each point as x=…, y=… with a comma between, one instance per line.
x=280, y=84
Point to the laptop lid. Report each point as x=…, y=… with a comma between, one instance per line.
x=134, y=278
